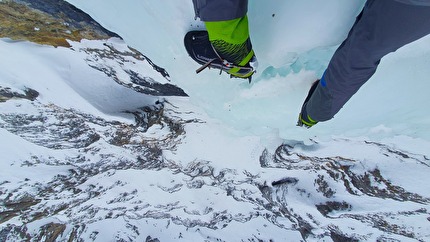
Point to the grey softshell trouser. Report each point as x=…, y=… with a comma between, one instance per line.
x=382, y=27
x=220, y=10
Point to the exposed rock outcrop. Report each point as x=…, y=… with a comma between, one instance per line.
x=49, y=22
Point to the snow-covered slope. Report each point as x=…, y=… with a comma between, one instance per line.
x=83, y=159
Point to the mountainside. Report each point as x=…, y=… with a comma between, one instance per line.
x=59, y=23
x=100, y=143
x=48, y=22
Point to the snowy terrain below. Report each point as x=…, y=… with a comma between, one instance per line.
x=90, y=156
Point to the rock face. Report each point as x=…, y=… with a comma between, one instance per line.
x=56, y=23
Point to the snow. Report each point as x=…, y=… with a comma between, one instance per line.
x=294, y=41
x=63, y=77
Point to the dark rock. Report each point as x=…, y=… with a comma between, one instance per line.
x=63, y=10
x=331, y=206
x=7, y=93
x=150, y=239
x=339, y=237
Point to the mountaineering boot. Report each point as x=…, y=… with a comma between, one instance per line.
x=239, y=57
x=232, y=44
x=304, y=118
x=225, y=45
x=203, y=52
